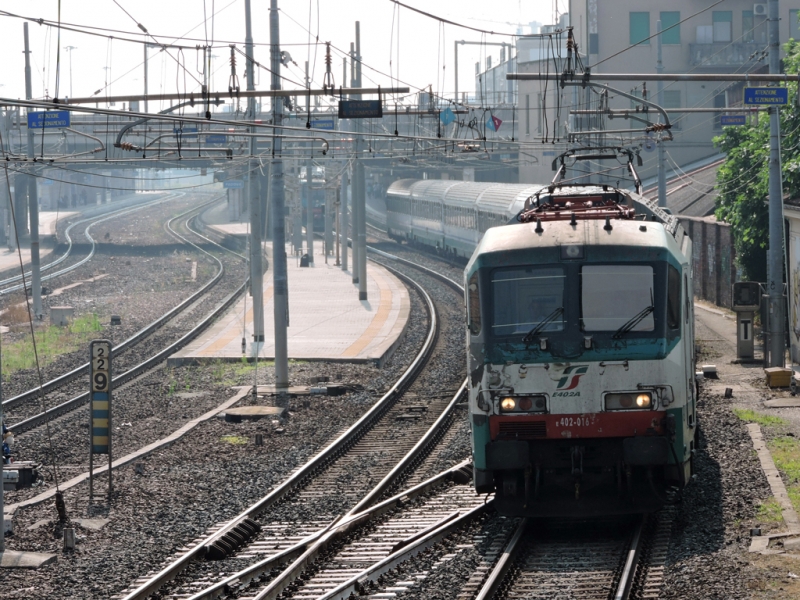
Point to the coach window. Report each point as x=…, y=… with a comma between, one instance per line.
x=673, y=298
x=474, y=305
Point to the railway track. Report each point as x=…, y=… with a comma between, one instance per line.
x=10, y=285
x=363, y=465
x=28, y=423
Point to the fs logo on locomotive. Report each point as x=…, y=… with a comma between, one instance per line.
x=572, y=377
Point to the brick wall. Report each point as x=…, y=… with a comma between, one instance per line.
x=713, y=258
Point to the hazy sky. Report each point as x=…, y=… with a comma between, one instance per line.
x=425, y=47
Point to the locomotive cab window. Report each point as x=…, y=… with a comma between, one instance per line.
x=526, y=297
x=617, y=298
x=474, y=305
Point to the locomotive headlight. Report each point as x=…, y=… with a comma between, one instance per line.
x=523, y=404
x=629, y=401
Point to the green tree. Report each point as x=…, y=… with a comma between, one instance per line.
x=743, y=179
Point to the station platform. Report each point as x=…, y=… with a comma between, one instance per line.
x=9, y=259
x=327, y=322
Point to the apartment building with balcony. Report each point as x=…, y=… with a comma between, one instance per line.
x=615, y=37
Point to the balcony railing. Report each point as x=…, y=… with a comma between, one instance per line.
x=725, y=55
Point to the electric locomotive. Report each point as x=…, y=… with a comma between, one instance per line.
x=580, y=355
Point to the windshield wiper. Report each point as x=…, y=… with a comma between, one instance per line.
x=633, y=322
x=547, y=320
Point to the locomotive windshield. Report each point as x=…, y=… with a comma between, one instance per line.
x=614, y=296
x=525, y=298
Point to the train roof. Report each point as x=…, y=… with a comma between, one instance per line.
x=486, y=195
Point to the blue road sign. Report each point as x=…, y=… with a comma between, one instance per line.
x=216, y=138
x=47, y=119
x=733, y=120
x=44, y=181
x=769, y=96
x=233, y=184
x=326, y=124
x=185, y=131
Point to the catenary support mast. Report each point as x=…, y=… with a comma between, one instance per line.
x=775, y=259
x=280, y=283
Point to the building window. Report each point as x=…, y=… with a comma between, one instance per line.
x=748, y=26
x=527, y=114
x=668, y=19
x=723, y=21
x=794, y=26
x=640, y=28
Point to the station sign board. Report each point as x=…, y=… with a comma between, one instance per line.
x=233, y=184
x=326, y=124
x=733, y=120
x=48, y=119
x=766, y=96
x=360, y=109
x=216, y=138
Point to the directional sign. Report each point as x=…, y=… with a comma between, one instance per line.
x=216, y=138
x=233, y=184
x=360, y=109
x=733, y=120
x=326, y=124
x=48, y=119
x=766, y=95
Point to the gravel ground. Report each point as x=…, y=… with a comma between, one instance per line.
x=178, y=496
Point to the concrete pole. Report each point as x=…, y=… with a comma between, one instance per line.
x=145, y=76
x=254, y=198
x=280, y=284
x=33, y=196
x=362, y=188
x=309, y=186
x=329, y=210
x=662, y=176
x=775, y=258
x=353, y=206
x=343, y=226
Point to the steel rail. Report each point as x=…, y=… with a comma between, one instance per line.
x=355, y=585
x=282, y=581
x=320, y=461
x=106, y=217
x=245, y=576
x=67, y=252
x=319, y=541
x=61, y=380
x=502, y=566
x=631, y=560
